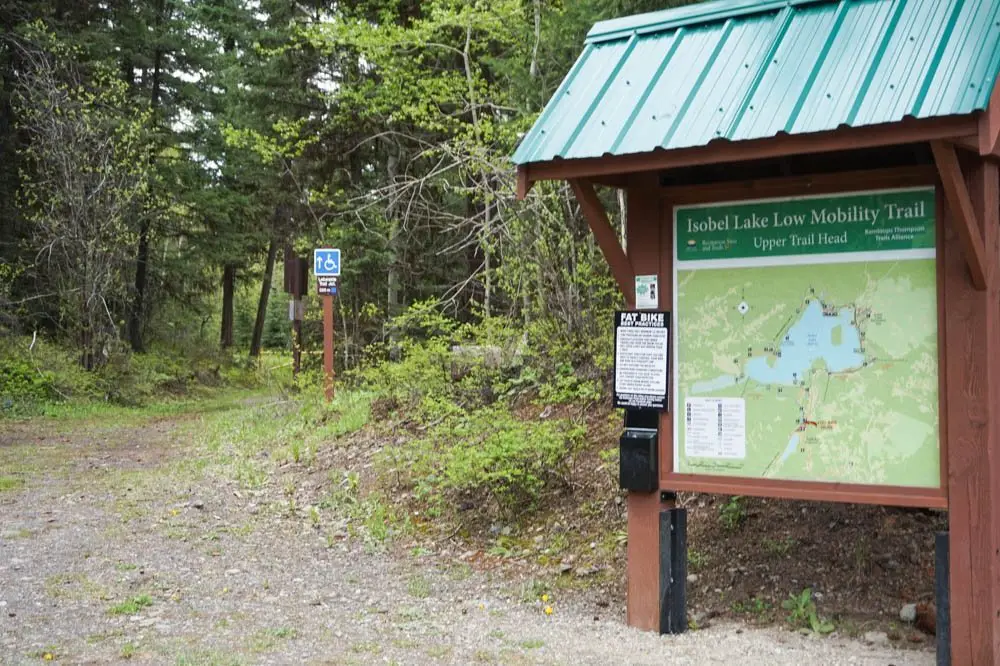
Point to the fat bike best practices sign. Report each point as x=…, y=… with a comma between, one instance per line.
x=642, y=344
x=806, y=342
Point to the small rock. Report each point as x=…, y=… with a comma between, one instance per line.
x=879, y=638
x=692, y=578
x=565, y=568
x=197, y=504
x=908, y=613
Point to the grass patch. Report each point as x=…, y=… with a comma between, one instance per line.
x=366, y=648
x=131, y=606
x=73, y=586
x=206, y=658
x=10, y=483
x=247, y=441
x=268, y=639
x=533, y=644
x=418, y=587
x=439, y=651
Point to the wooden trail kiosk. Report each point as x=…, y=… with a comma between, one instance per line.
x=813, y=189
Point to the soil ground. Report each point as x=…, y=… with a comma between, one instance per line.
x=121, y=541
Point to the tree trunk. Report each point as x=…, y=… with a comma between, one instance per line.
x=265, y=292
x=137, y=313
x=393, y=279
x=135, y=316
x=228, y=291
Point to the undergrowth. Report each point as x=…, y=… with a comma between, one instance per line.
x=40, y=378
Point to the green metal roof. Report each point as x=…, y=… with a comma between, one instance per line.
x=750, y=69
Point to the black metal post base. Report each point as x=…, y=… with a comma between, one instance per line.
x=673, y=571
x=942, y=561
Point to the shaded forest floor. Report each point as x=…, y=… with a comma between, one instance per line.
x=132, y=536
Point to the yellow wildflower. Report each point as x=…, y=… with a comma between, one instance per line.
x=548, y=610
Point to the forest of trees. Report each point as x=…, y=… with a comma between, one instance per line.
x=161, y=157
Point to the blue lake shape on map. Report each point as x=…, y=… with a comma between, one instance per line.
x=809, y=340
x=709, y=385
x=793, y=443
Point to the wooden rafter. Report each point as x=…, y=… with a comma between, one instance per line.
x=956, y=194
x=597, y=218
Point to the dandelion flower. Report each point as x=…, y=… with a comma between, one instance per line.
x=548, y=610
x=545, y=598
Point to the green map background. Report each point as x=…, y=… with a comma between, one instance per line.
x=885, y=415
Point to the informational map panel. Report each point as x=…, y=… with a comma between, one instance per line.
x=806, y=343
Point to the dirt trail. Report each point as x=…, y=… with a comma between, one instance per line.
x=121, y=546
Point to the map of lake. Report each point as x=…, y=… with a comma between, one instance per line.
x=835, y=364
x=834, y=339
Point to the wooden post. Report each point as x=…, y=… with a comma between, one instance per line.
x=297, y=343
x=972, y=421
x=645, y=242
x=328, y=345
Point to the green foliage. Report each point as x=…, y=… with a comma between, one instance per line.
x=131, y=606
x=802, y=613
x=10, y=483
x=732, y=513
x=487, y=454
x=754, y=606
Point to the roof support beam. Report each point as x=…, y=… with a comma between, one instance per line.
x=956, y=194
x=524, y=182
x=989, y=126
x=597, y=218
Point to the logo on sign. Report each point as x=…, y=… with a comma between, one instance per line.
x=326, y=262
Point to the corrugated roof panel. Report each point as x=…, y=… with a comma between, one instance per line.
x=912, y=50
x=637, y=71
x=571, y=104
x=776, y=96
x=971, y=57
x=748, y=69
x=834, y=92
x=724, y=80
x=673, y=86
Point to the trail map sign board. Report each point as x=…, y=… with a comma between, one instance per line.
x=807, y=339
x=641, y=359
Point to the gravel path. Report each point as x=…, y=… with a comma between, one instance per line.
x=121, y=547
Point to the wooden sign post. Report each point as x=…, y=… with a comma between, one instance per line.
x=328, y=345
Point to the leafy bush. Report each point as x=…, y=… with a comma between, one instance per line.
x=488, y=454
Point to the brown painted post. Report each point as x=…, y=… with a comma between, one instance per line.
x=972, y=366
x=328, y=345
x=643, y=234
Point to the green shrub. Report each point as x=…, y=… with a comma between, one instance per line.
x=488, y=454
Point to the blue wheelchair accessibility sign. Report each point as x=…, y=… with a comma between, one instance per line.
x=326, y=262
